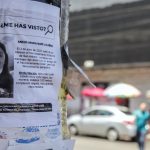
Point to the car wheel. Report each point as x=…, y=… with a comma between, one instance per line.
x=133, y=139
x=73, y=129
x=112, y=135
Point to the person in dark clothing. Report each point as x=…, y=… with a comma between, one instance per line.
x=142, y=118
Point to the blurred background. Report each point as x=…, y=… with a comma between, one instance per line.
x=109, y=40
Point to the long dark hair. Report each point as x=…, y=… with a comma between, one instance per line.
x=6, y=80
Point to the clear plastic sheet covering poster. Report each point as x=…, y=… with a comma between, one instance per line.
x=30, y=71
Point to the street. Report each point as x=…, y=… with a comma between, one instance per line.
x=95, y=143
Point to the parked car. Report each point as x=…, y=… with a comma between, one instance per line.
x=106, y=121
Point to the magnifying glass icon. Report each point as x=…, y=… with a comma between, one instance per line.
x=49, y=29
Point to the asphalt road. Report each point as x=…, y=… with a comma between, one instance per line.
x=95, y=143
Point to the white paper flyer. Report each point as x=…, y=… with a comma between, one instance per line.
x=30, y=63
x=56, y=145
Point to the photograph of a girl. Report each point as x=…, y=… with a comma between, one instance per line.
x=6, y=79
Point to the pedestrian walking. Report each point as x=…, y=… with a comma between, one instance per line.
x=142, y=117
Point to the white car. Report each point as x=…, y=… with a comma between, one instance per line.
x=106, y=121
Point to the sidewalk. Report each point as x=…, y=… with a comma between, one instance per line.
x=148, y=137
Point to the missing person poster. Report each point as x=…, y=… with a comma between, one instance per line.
x=30, y=63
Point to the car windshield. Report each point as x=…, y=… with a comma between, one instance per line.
x=125, y=110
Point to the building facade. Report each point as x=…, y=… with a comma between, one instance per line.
x=116, y=39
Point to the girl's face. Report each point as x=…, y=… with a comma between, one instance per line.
x=2, y=59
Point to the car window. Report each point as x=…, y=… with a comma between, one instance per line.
x=91, y=113
x=99, y=113
x=104, y=113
